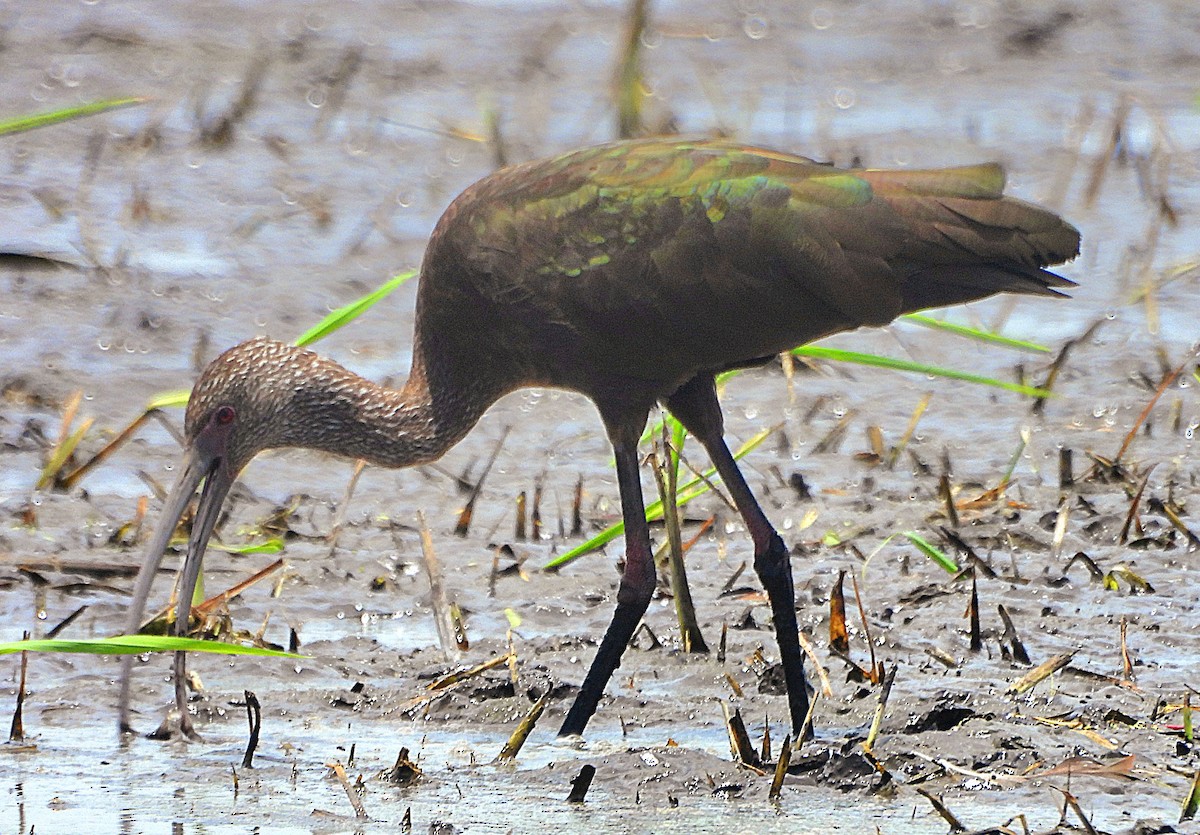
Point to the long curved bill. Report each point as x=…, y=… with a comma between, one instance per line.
x=217, y=480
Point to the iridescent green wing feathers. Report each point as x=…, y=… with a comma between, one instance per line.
x=868, y=244
x=652, y=170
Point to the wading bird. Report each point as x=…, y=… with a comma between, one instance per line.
x=631, y=272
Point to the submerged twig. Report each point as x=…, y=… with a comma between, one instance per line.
x=462, y=675
x=902, y=444
x=437, y=592
x=739, y=741
x=513, y=746
x=16, y=731
x=1010, y=634
x=339, y=517
x=464, y=517
x=876, y=723
x=666, y=475
x=781, y=767
x=1070, y=802
x=822, y=676
x=254, y=717
x=339, y=771
x=1145, y=413
x=973, y=615
x=940, y=807
x=1040, y=672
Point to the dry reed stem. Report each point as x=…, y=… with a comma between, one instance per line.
x=339, y=771
x=1040, y=672
x=781, y=767
x=513, y=746
x=437, y=592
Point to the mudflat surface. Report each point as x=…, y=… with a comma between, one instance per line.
x=135, y=250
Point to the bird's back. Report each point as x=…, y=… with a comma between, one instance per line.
x=655, y=259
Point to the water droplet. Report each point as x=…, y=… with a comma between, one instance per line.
x=756, y=28
x=844, y=98
x=316, y=97
x=821, y=18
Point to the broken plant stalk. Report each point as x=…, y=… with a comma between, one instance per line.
x=666, y=474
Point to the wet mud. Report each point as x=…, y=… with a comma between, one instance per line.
x=295, y=156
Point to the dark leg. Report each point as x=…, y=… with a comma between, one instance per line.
x=695, y=405
x=637, y=581
x=186, y=728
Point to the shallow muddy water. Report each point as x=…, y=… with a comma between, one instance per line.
x=134, y=252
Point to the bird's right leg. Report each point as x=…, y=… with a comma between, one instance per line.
x=637, y=580
x=696, y=406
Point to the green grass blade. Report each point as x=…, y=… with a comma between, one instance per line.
x=687, y=492
x=268, y=546
x=931, y=551
x=53, y=117
x=137, y=645
x=678, y=436
x=974, y=333
x=169, y=399
x=821, y=352
x=348, y=313
x=1016, y=457
x=61, y=453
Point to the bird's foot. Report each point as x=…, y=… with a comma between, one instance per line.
x=176, y=725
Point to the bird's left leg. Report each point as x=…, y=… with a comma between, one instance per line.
x=696, y=406
x=637, y=580
x=186, y=728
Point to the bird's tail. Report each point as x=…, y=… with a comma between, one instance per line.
x=951, y=284
x=969, y=241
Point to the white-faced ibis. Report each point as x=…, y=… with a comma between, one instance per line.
x=631, y=272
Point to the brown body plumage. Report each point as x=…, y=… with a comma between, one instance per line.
x=633, y=273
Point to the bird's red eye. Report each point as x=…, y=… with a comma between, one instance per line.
x=224, y=415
